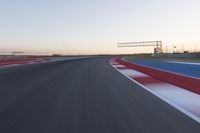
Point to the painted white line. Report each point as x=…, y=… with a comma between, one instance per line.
x=189, y=63
x=175, y=105
x=119, y=65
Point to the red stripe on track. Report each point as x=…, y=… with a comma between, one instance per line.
x=147, y=80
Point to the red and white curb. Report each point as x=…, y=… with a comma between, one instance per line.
x=184, y=100
x=21, y=62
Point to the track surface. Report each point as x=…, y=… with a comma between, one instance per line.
x=191, y=70
x=82, y=96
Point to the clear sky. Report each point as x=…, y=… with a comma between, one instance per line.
x=95, y=26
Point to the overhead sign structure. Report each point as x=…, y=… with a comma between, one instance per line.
x=157, y=44
x=12, y=52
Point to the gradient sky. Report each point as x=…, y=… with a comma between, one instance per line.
x=95, y=26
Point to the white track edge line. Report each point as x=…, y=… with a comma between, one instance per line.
x=178, y=107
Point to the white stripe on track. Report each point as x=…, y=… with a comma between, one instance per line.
x=179, y=62
x=133, y=73
x=187, y=99
x=119, y=66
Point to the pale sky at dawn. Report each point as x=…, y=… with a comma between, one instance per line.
x=96, y=26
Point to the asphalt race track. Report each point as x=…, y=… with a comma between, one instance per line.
x=82, y=96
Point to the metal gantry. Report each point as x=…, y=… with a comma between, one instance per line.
x=157, y=44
